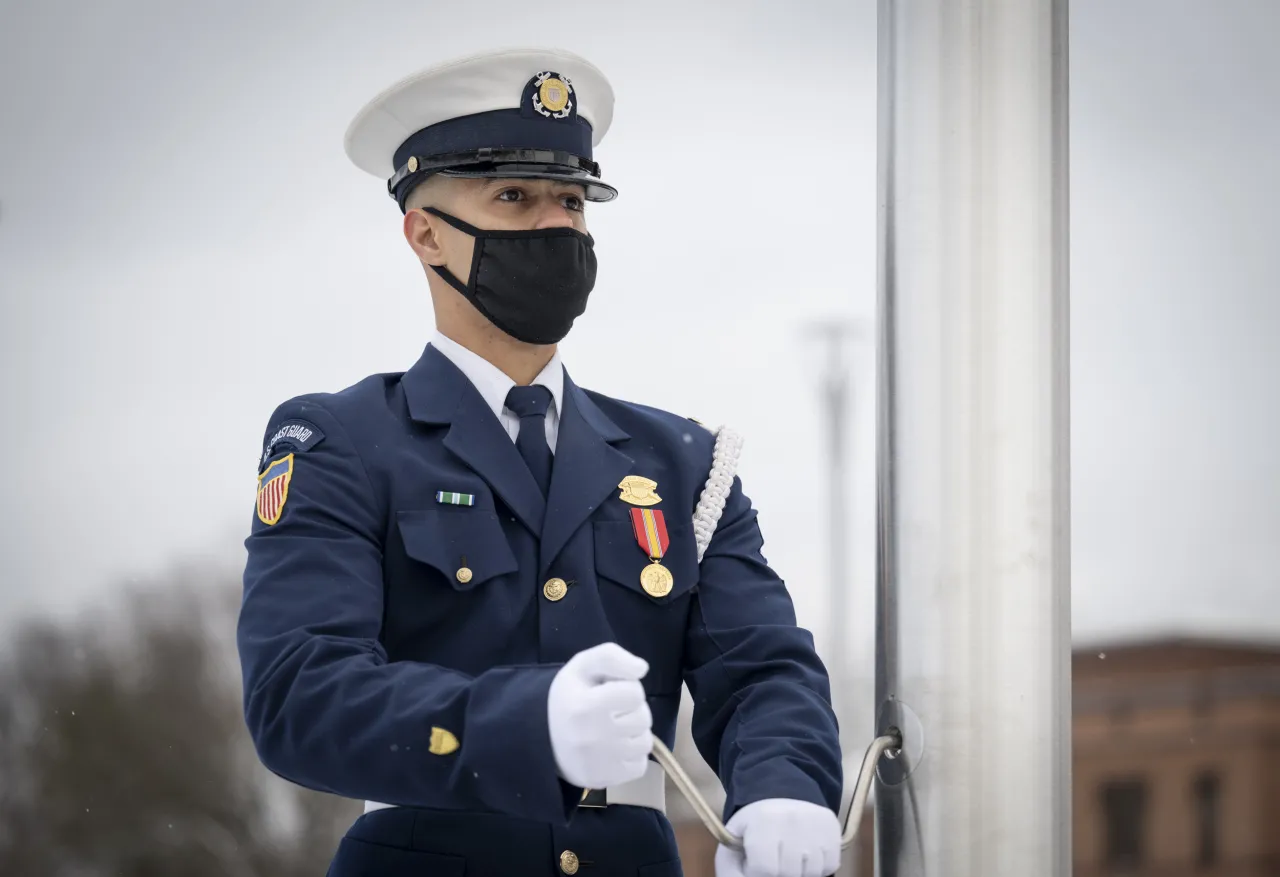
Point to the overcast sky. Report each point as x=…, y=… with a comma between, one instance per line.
x=183, y=245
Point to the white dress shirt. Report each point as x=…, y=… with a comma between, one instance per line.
x=494, y=385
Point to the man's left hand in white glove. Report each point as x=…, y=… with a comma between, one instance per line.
x=782, y=838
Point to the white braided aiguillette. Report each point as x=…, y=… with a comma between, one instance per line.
x=724, y=466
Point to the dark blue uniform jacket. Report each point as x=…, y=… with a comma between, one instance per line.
x=358, y=638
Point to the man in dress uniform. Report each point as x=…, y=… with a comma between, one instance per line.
x=473, y=589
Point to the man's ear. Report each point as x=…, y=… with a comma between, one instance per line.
x=420, y=230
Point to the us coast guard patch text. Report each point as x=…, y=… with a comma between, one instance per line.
x=299, y=435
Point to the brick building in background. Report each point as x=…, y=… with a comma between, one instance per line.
x=1176, y=764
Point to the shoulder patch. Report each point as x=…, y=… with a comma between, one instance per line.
x=298, y=435
x=273, y=489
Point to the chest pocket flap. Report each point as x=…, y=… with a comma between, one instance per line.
x=450, y=539
x=620, y=558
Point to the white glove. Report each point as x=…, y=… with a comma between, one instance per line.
x=599, y=719
x=782, y=838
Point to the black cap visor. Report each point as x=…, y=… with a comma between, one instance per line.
x=528, y=164
x=595, y=189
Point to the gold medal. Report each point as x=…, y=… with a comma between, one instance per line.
x=651, y=532
x=656, y=580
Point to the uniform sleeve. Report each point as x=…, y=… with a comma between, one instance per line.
x=325, y=708
x=762, y=715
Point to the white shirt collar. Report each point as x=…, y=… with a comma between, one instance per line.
x=492, y=383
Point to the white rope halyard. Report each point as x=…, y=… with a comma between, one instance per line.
x=706, y=516
x=887, y=743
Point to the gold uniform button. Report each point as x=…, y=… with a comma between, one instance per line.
x=555, y=589
x=464, y=575
x=442, y=742
x=569, y=862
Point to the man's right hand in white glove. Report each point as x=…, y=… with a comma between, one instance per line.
x=600, y=724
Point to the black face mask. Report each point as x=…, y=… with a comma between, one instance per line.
x=530, y=284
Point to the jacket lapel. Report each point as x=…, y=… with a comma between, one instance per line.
x=438, y=393
x=586, y=471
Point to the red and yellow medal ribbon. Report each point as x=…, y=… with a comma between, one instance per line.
x=651, y=532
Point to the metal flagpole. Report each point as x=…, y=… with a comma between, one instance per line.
x=973, y=595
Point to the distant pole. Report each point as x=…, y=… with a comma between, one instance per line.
x=836, y=403
x=835, y=393
x=973, y=596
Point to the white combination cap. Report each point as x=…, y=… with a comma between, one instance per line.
x=522, y=113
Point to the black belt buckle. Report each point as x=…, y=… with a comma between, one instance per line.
x=594, y=798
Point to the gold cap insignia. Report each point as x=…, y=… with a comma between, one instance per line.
x=553, y=95
x=638, y=490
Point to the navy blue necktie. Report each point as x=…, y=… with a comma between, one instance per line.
x=530, y=404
